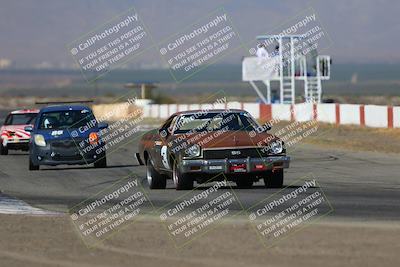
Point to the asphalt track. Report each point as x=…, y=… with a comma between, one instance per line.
x=361, y=186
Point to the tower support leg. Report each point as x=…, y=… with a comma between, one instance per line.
x=268, y=85
x=259, y=93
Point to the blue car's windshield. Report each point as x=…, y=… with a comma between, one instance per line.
x=66, y=119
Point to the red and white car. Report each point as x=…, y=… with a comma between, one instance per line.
x=13, y=135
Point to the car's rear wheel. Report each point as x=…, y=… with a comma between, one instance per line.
x=101, y=163
x=3, y=149
x=244, y=183
x=154, y=178
x=32, y=166
x=181, y=181
x=274, y=179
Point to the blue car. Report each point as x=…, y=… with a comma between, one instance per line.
x=66, y=134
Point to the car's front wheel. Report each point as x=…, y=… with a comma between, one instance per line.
x=33, y=166
x=101, y=163
x=244, y=183
x=274, y=179
x=181, y=181
x=3, y=149
x=154, y=178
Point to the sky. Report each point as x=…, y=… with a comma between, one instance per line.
x=360, y=31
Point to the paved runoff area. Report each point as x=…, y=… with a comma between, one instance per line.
x=336, y=207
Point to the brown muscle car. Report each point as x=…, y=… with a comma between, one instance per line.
x=198, y=145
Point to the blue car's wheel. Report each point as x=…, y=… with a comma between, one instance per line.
x=32, y=166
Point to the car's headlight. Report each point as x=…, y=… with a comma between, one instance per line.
x=193, y=151
x=276, y=147
x=39, y=140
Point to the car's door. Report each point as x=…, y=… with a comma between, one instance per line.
x=161, y=140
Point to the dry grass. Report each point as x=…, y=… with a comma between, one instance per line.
x=357, y=138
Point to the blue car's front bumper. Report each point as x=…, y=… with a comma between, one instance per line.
x=69, y=155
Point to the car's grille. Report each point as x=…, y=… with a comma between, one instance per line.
x=234, y=153
x=66, y=149
x=64, y=157
x=64, y=144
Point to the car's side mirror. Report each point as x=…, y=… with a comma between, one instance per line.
x=264, y=128
x=267, y=127
x=102, y=125
x=28, y=128
x=163, y=132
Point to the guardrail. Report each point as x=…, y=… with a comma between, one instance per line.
x=340, y=114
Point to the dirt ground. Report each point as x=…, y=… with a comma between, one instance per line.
x=52, y=241
x=357, y=138
x=349, y=137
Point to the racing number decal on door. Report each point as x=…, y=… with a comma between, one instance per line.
x=164, y=157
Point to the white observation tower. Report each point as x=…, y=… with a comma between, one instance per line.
x=287, y=65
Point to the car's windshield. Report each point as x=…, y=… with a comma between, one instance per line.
x=66, y=119
x=214, y=122
x=21, y=119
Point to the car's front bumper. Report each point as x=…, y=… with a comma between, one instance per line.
x=249, y=165
x=16, y=143
x=47, y=156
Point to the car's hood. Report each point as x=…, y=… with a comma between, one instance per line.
x=226, y=139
